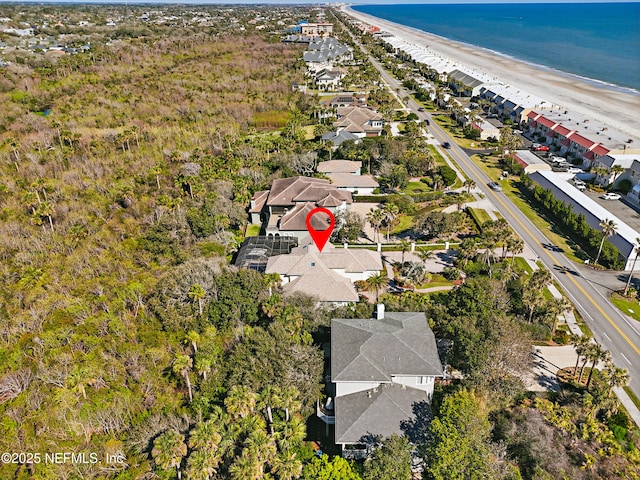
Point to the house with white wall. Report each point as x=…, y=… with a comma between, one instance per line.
x=384, y=370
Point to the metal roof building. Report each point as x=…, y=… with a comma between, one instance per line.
x=625, y=237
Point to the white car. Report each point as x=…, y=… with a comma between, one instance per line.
x=611, y=196
x=575, y=170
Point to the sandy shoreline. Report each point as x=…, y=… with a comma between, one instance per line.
x=614, y=108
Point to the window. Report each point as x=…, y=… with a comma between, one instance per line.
x=422, y=380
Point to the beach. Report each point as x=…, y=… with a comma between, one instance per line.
x=614, y=108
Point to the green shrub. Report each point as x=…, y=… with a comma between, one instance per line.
x=448, y=175
x=624, y=186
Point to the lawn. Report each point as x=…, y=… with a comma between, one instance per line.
x=414, y=188
x=252, y=231
x=626, y=306
x=480, y=215
x=405, y=222
x=523, y=265
x=439, y=159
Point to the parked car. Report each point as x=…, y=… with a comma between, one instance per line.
x=495, y=186
x=446, y=145
x=575, y=170
x=611, y=196
x=541, y=148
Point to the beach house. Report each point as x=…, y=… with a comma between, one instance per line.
x=383, y=371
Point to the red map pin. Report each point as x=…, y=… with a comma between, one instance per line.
x=325, y=219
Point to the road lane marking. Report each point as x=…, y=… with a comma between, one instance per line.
x=554, y=260
x=605, y=334
x=628, y=361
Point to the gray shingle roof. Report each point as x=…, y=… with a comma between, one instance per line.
x=373, y=350
x=383, y=411
x=339, y=137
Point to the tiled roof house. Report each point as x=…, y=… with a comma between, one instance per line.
x=285, y=207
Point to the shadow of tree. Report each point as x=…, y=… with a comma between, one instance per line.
x=417, y=428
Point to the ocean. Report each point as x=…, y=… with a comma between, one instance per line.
x=596, y=41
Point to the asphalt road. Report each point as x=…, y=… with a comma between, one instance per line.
x=616, y=332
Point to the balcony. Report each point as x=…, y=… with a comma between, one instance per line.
x=326, y=414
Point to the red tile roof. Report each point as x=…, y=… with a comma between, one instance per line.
x=582, y=141
x=546, y=122
x=533, y=115
x=600, y=150
x=562, y=130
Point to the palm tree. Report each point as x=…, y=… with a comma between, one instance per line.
x=404, y=247
x=289, y=401
x=515, y=245
x=415, y=273
x=637, y=250
x=261, y=447
x=468, y=249
x=168, y=450
x=206, y=436
x=532, y=291
x=609, y=227
x=469, y=184
x=617, y=170
x=192, y=338
x=390, y=212
x=555, y=308
x=286, y=466
x=508, y=142
x=377, y=281
x=290, y=434
x=182, y=366
x=437, y=178
x=267, y=398
x=596, y=354
x=201, y=465
x=376, y=218
x=616, y=377
x=156, y=170
x=489, y=244
x=580, y=344
x=203, y=365
x=240, y=401
x=197, y=293
x=45, y=210
x=245, y=467
x=425, y=254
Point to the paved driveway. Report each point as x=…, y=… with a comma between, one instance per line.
x=546, y=363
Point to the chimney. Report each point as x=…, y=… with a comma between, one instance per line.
x=380, y=311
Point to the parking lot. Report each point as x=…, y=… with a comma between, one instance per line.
x=619, y=208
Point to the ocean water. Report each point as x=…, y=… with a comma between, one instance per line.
x=596, y=41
